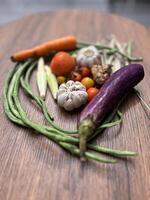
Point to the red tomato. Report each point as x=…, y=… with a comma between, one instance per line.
x=92, y=92
x=85, y=71
x=76, y=76
x=62, y=64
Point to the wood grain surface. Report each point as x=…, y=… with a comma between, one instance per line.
x=34, y=168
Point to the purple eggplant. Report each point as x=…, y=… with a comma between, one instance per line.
x=105, y=101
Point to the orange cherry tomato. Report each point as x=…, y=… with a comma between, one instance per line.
x=87, y=82
x=76, y=76
x=92, y=92
x=85, y=71
x=62, y=64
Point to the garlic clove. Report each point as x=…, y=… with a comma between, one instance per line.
x=77, y=83
x=83, y=96
x=79, y=57
x=81, y=88
x=68, y=104
x=61, y=91
x=93, y=49
x=76, y=99
x=69, y=83
x=61, y=99
x=63, y=86
x=90, y=62
x=82, y=61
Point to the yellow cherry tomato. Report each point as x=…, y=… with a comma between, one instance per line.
x=61, y=79
x=87, y=82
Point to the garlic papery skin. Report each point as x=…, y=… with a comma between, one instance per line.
x=71, y=95
x=88, y=56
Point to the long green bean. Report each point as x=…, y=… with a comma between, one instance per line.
x=5, y=100
x=112, y=152
x=64, y=140
x=10, y=100
x=110, y=50
x=143, y=103
x=75, y=151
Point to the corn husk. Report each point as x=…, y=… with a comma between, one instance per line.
x=52, y=81
x=41, y=78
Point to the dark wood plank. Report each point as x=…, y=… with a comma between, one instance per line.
x=33, y=167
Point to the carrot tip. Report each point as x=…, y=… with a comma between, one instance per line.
x=12, y=58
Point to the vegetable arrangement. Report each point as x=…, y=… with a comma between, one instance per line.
x=77, y=73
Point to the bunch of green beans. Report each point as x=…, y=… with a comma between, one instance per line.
x=111, y=50
x=19, y=78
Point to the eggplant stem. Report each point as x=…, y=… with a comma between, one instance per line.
x=82, y=146
x=86, y=129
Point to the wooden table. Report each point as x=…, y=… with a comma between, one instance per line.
x=33, y=167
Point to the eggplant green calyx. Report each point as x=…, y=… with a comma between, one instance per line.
x=86, y=129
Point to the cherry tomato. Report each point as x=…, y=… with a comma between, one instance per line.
x=85, y=71
x=76, y=76
x=62, y=64
x=92, y=92
x=61, y=79
x=87, y=82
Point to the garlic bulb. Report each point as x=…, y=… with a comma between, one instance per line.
x=71, y=95
x=88, y=56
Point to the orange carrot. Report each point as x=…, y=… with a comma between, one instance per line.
x=60, y=44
